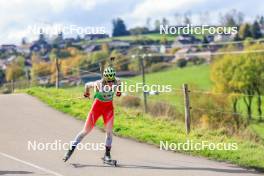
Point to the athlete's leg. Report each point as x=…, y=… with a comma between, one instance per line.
x=94, y=114
x=108, y=116
x=89, y=124
x=109, y=132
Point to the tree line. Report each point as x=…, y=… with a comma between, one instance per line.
x=230, y=18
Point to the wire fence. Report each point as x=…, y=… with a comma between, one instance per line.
x=174, y=99
x=171, y=104
x=27, y=83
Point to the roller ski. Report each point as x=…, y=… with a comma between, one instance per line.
x=109, y=161
x=107, y=158
x=69, y=153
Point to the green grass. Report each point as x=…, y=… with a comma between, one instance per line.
x=133, y=124
x=155, y=36
x=258, y=128
x=132, y=38
x=197, y=77
x=152, y=36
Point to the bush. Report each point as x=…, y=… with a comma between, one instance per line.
x=214, y=112
x=197, y=60
x=158, y=67
x=5, y=91
x=161, y=109
x=130, y=101
x=174, y=50
x=181, y=63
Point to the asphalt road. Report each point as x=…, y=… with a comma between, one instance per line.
x=24, y=119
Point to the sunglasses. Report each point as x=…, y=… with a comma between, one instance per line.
x=110, y=81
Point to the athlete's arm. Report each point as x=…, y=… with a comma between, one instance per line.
x=86, y=92
x=91, y=85
x=87, y=88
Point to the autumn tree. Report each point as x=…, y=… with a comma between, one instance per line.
x=255, y=61
x=15, y=69
x=244, y=31
x=121, y=61
x=14, y=72
x=39, y=68
x=243, y=74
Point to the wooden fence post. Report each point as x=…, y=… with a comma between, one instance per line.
x=187, y=108
x=57, y=73
x=12, y=86
x=102, y=67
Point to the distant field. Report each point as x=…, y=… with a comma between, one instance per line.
x=153, y=36
x=197, y=77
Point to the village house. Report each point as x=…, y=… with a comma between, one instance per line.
x=183, y=40
x=95, y=36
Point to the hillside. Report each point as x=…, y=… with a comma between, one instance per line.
x=197, y=77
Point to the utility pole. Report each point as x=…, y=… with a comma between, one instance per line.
x=141, y=58
x=187, y=108
x=12, y=85
x=57, y=73
x=102, y=65
x=28, y=78
x=141, y=61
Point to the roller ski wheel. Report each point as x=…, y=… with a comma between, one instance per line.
x=109, y=162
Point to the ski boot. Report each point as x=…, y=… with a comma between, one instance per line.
x=69, y=153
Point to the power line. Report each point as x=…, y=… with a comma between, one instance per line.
x=219, y=93
x=205, y=53
x=216, y=93
x=223, y=112
x=72, y=68
x=222, y=53
x=88, y=71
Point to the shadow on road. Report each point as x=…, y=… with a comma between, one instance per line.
x=14, y=172
x=130, y=166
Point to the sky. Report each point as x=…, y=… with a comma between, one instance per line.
x=16, y=16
